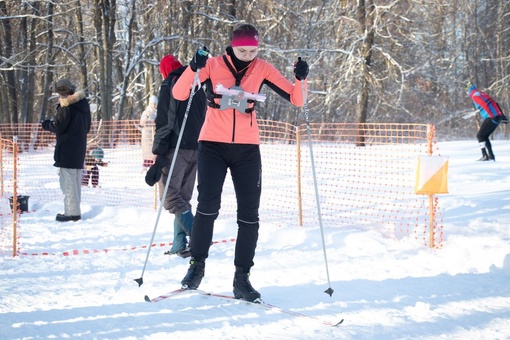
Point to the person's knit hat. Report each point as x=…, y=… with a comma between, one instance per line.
x=471, y=88
x=168, y=64
x=64, y=87
x=245, y=35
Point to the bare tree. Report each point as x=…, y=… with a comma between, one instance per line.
x=82, y=45
x=9, y=70
x=27, y=31
x=399, y=61
x=47, y=78
x=365, y=15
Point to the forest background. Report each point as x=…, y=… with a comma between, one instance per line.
x=371, y=61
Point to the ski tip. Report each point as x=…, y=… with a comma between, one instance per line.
x=329, y=291
x=146, y=298
x=338, y=323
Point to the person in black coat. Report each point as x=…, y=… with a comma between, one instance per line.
x=71, y=126
x=169, y=121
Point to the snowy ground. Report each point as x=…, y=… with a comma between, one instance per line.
x=384, y=287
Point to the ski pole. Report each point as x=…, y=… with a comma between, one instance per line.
x=196, y=82
x=305, y=99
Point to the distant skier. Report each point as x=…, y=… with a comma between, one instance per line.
x=492, y=116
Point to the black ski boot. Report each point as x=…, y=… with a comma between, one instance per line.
x=194, y=275
x=242, y=286
x=491, y=156
x=485, y=156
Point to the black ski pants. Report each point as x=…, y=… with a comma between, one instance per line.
x=244, y=162
x=486, y=129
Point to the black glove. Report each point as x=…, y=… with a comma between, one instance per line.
x=301, y=69
x=199, y=59
x=153, y=175
x=45, y=124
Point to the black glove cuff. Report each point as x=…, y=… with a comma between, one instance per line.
x=162, y=161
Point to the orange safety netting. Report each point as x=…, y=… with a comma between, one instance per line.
x=365, y=175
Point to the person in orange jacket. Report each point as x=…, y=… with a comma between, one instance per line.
x=229, y=140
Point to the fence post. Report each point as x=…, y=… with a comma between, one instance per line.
x=432, y=215
x=14, y=195
x=156, y=191
x=298, y=172
x=1, y=166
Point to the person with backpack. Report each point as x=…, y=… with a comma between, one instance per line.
x=492, y=116
x=230, y=140
x=93, y=159
x=169, y=120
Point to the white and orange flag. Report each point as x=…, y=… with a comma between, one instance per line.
x=432, y=175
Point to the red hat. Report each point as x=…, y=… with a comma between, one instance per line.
x=168, y=64
x=245, y=35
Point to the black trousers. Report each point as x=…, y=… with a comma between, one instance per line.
x=245, y=165
x=486, y=129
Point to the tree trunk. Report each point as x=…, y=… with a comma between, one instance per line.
x=48, y=68
x=82, y=51
x=9, y=73
x=126, y=70
x=365, y=16
x=104, y=21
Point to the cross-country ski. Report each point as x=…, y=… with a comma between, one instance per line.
x=230, y=298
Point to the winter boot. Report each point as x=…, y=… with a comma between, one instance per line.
x=242, y=286
x=182, y=229
x=485, y=157
x=186, y=252
x=491, y=154
x=194, y=275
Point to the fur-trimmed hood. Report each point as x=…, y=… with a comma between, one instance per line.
x=71, y=99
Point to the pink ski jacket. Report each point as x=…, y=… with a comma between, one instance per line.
x=230, y=125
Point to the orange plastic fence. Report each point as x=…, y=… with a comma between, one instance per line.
x=365, y=175
x=9, y=238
